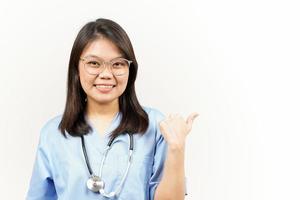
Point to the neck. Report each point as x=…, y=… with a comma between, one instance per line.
x=96, y=110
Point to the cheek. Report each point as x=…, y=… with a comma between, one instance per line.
x=122, y=83
x=85, y=81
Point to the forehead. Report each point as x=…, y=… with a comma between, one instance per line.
x=101, y=48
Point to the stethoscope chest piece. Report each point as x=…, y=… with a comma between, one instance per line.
x=94, y=183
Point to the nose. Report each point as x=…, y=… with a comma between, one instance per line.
x=106, y=73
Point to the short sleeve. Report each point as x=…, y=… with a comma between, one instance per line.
x=41, y=184
x=159, y=157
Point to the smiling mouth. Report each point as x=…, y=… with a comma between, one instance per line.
x=104, y=86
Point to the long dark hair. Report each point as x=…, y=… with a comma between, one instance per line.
x=134, y=118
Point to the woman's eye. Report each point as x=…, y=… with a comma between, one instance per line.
x=119, y=64
x=93, y=63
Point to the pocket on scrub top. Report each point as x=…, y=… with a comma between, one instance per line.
x=139, y=168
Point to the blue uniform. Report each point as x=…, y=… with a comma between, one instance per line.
x=60, y=171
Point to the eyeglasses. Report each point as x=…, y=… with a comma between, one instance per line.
x=117, y=66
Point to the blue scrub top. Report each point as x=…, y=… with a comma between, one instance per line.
x=60, y=171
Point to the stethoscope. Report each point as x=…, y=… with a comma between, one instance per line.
x=95, y=183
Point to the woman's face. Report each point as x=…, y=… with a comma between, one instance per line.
x=105, y=87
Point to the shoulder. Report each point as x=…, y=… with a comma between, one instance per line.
x=50, y=130
x=155, y=117
x=52, y=124
x=154, y=114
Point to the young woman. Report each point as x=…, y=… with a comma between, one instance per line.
x=106, y=145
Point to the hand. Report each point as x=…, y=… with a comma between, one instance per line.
x=175, y=129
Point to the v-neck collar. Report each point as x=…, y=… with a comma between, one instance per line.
x=100, y=142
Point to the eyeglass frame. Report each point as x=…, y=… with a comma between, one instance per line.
x=104, y=63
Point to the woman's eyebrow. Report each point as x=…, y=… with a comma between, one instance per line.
x=94, y=56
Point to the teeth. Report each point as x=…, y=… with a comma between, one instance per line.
x=104, y=86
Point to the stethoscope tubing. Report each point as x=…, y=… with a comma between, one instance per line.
x=98, y=178
x=108, y=146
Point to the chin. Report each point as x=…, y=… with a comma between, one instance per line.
x=105, y=100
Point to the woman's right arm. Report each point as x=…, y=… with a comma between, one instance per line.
x=41, y=184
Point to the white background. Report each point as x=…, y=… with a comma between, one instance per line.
x=234, y=62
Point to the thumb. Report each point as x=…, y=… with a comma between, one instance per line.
x=190, y=120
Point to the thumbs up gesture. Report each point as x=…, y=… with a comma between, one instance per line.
x=175, y=128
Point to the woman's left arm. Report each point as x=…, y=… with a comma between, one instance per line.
x=174, y=129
